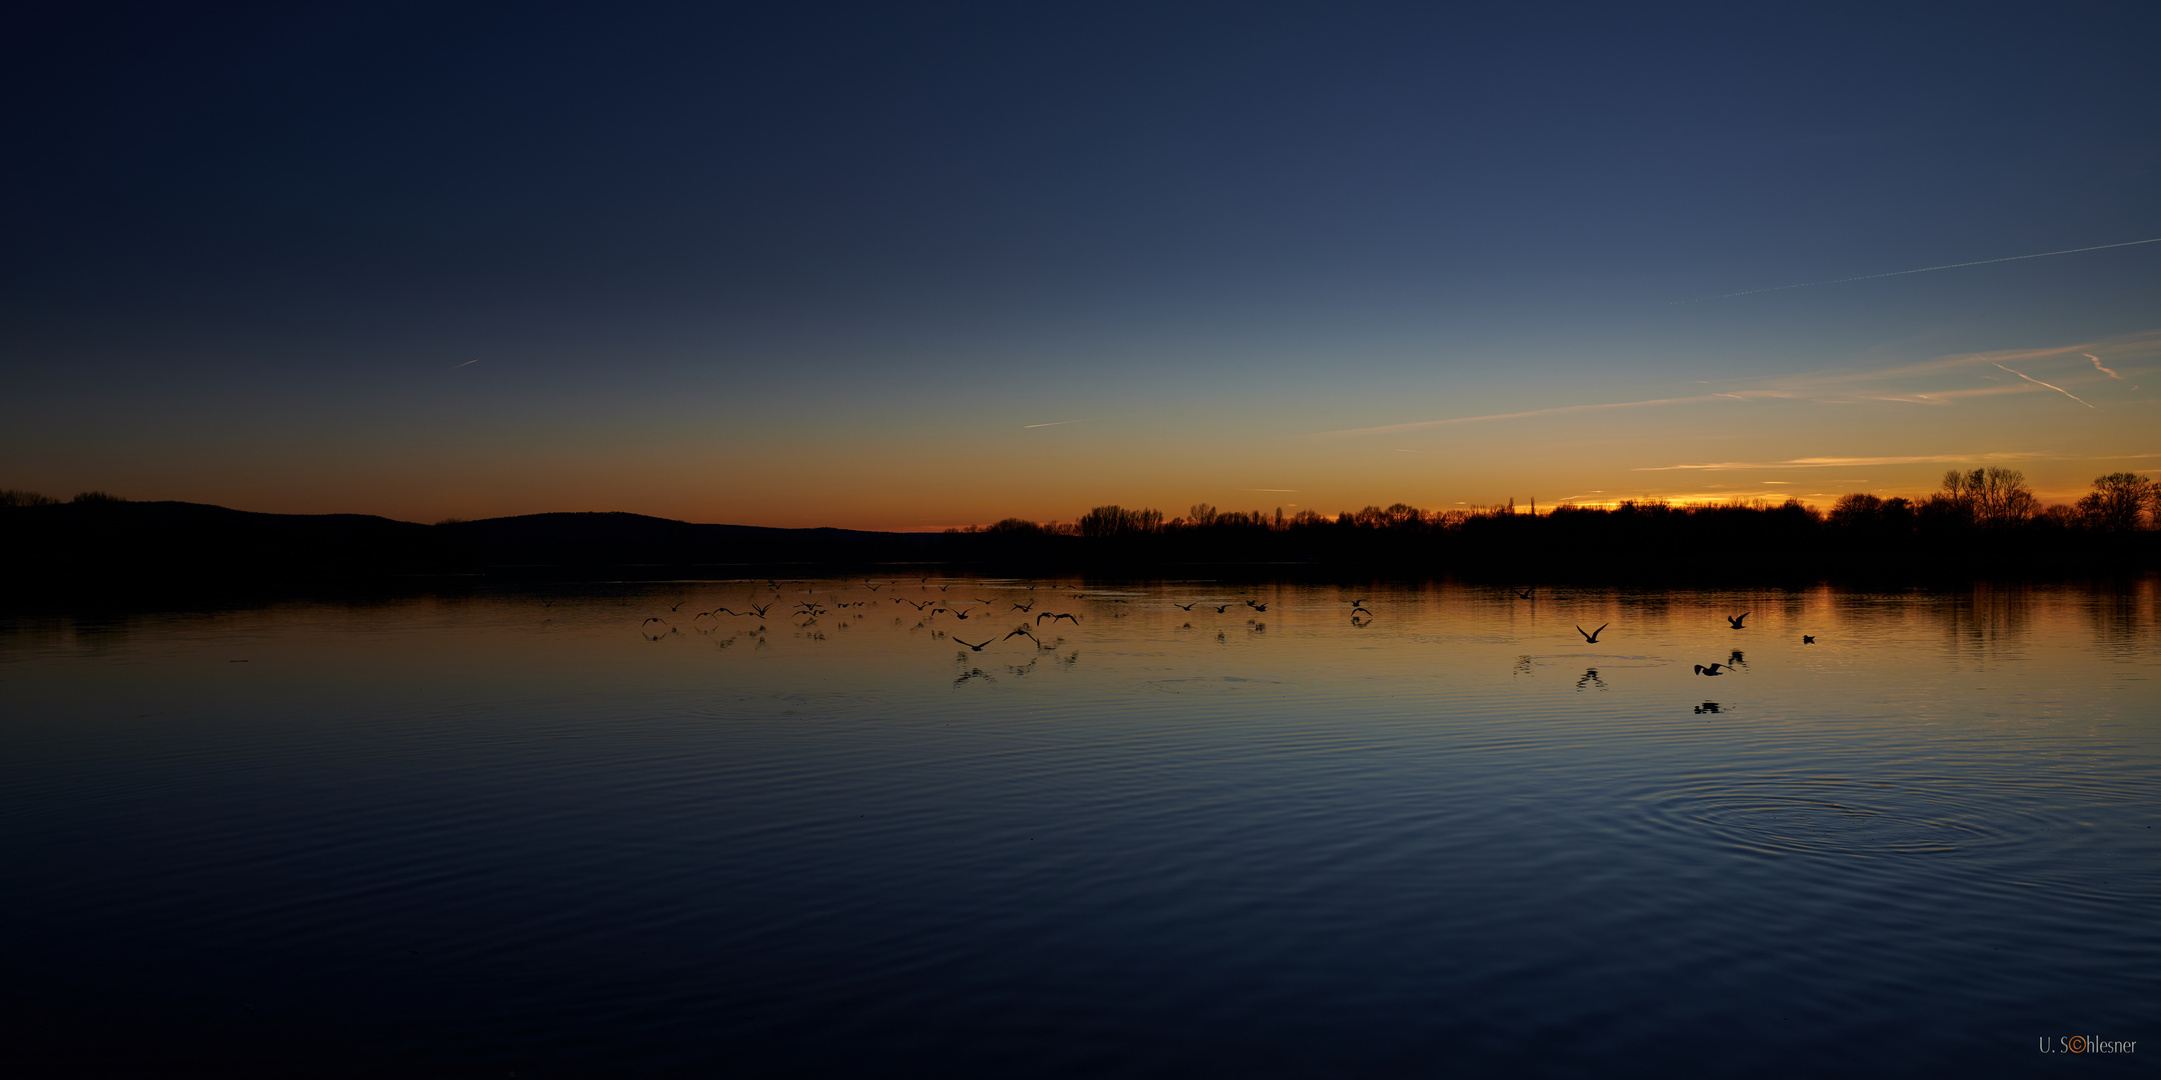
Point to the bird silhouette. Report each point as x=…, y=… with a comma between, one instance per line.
x=1356, y=608
x=1712, y=670
x=680, y=603
x=978, y=648
x=960, y=613
x=1808, y=639
x=1018, y=632
x=1223, y=609
x=1526, y=593
x=1591, y=637
x=1054, y=617
x=654, y=619
x=759, y=609
x=1183, y=607
x=1024, y=608
x=1736, y=619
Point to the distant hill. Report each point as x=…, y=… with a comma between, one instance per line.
x=193, y=543
x=589, y=539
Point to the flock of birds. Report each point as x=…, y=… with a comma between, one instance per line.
x=805, y=613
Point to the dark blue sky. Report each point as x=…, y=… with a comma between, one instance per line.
x=264, y=234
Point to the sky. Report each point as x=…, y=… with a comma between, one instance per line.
x=920, y=266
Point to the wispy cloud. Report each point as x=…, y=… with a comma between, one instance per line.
x=1938, y=381
x=1944, y=397
x=1922, y=270
x=1415, y=425
x=2098, y=366
x=455, y=367
x=2051, y=386
x=1055, y=423
x=1834, y=462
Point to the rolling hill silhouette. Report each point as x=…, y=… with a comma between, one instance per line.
x=179, y=542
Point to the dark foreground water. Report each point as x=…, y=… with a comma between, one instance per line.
x=527, y=833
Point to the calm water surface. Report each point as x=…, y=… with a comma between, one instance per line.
x=525, y=832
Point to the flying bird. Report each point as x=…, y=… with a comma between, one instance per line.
x=1018, y=632
x=1591, y=638
x=1712, y=670
x=978, y=648
x=1526, y=593
x=1183, y=607
x=1808, y=639
x=1736, y=619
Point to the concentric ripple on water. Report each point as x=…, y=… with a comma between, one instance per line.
x=1840, y=816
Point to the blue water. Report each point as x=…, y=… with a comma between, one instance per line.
x=525, y=832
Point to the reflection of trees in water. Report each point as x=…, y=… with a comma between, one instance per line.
x=2119, y=617
x=1989, y=616
x=2122, y=615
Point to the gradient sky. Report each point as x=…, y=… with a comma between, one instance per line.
x=906, y=265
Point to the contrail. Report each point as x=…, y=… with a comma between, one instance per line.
x=1054, y=423
x=1922, y=270
x=455, y=367
x=2110, y=372
x=2051, y=386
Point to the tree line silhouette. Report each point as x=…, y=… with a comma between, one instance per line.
x=1981, y=521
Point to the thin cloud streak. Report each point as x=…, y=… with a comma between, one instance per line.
x=1942, y=397
x=1832, y=387
x=1415, y=425
x=1834, y=462
x=2098, y=366
x=1920, y=459
x=1055, y=423
x=1922, y=270
x=2051, y=386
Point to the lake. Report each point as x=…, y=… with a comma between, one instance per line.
x=529, y=832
